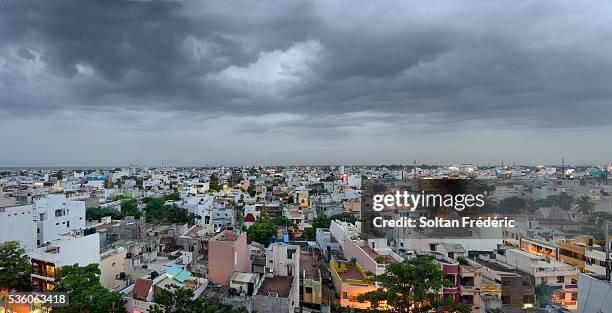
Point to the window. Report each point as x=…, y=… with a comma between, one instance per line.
x=345, y=295
x=560, y=279
x=528, y=299
x=68, y=224
x=505, y=299
x=544, y=280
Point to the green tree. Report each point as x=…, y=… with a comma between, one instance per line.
x=321, y=222
x=179, y=300
x=282, y=221
x=129, y=207
x=251, y=189
x=96, y=213
x=345, y=217
x=159, y=212
x=15, y=267
x=585, y=206
x=213, y=183
x=86, y=294
x=411, y=286
x=310, y=233
x=261, y=232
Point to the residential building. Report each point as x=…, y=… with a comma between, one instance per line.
x=280, y=288
x=560, y=276
x=58, y=215
x=349, y=281
x=140, y=296
x=310, y=280
x=17, y=223
x=515, y=289
x=77, y=248
x=227, y=253
x=112, y=265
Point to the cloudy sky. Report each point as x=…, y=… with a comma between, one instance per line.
x=304, y=82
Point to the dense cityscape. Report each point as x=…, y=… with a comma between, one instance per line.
x=302, y=156
x=289, y=239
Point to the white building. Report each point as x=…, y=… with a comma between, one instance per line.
x=17, y=223
x=202, y=206
x=82, y=249
x=57, y=215
x=594, y=294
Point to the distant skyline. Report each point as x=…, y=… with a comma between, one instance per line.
x=242, y=82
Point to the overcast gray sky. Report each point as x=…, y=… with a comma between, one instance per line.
x=304, y=82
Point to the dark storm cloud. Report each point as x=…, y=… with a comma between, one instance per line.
x=536, y=64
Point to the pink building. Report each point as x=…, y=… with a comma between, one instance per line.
x=227, y=253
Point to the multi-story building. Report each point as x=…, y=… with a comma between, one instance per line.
x=586, y=253
x=311, y=284
x=515, y=289
x=470, y=286
x=57, y=215
x=350, y=281
x=17, y=223
x=78, y=248
x=538, y=247
x=227, y=253
x=545, y=270
x=279, y=290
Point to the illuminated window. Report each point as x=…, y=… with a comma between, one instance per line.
x=50, y=270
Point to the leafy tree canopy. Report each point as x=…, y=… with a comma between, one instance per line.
x=411, y=286
x=85, y=293
x=179, y=300
x=97, y=213
x=15, y=267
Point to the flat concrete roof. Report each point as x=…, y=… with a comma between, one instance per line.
x=278, y=284
x=308, y=265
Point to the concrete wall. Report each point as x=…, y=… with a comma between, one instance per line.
x=594, y=295
x=111, y=264
x=51, y=226
x=16, y=223
x=352, y=250
x=226, y=257
x=83, y=250
x=264, y=304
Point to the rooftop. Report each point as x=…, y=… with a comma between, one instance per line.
x=308, y=265
x=244, y=277
x=141, y=288
x=351, y=273
x=278, y=284
x=373, y=254
x=226, y=235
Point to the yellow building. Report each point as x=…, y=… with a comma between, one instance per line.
x=349, y=282
x=573, y=251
